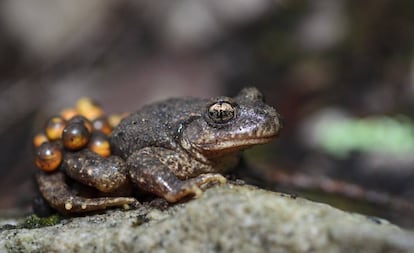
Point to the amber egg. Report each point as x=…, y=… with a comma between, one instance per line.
x=54, y=128
x=75, y=136
x=82, y=120
x=39, y=139
x=99, y=143
x=115, y=119
x=101, y=124
x=89, y=108
x=48, y=156
x=68, y=113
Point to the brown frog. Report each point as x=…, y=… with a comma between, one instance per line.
x=171, y=149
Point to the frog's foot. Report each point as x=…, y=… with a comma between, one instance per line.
x=150, y=173
x=57, y=193
x=160, y=181
x=187, y=189
x=193, y=186
x=205, y=180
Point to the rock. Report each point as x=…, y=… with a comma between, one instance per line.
x=227, y=218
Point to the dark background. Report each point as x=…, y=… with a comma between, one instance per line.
x=313, y=60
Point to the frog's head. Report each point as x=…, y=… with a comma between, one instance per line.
x=229, y=125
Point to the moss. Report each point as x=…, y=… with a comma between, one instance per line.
x=33, y=221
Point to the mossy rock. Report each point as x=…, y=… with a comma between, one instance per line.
x=226, y=218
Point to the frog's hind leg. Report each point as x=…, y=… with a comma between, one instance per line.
x=57, y=193
x=153, y=175
x=107, y=174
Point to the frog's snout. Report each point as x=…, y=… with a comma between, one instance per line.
x=268, y=123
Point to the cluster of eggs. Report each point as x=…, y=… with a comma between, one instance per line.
x=85, y=126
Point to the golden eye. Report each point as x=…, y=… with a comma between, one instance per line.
x=221, y=112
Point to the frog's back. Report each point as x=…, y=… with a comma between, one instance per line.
x=154, y=125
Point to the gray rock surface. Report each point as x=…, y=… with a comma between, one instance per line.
x=227, y=218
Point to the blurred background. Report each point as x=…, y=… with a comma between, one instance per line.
x=341, y=74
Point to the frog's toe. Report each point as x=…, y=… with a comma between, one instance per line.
x=77, y=204
x=189, y=189
x=193, y=187
x=196, y=191
x=204, y=180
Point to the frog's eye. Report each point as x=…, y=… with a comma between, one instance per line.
x=221, y=112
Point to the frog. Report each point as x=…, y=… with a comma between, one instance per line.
x=173, y=149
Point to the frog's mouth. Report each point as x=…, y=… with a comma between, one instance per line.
x=224, y=147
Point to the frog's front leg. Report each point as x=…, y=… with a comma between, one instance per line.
x=54, y=189
x=168, y=174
